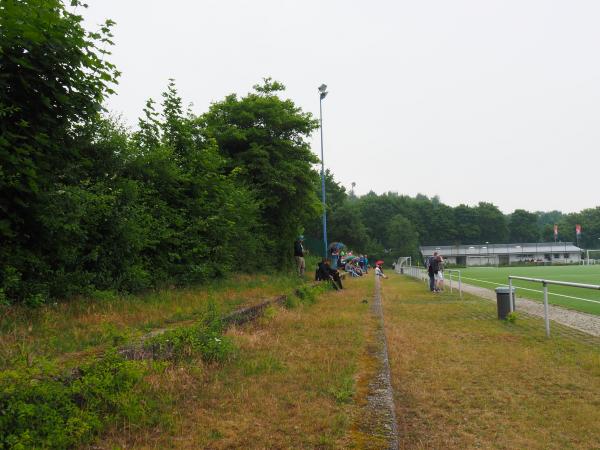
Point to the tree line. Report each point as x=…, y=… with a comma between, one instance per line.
x=88, y=205
x=396, y=225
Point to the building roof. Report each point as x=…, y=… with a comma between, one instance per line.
x=500, y=249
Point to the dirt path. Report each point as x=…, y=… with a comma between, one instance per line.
x=587, y=323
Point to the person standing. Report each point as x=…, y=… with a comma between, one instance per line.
x=432, y=270
x=335, y=255
x=299, y=255
x=440, y=274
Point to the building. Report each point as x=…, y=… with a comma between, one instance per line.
x=505, y=254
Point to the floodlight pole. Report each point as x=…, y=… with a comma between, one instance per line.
x=322, y=95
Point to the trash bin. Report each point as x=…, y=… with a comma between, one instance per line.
x=503, y=301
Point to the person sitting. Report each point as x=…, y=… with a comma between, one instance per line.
x=326, y=272
x=379, y=271
x=350, y=269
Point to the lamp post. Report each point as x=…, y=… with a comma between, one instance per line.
x=487, y=253
x=322, y=95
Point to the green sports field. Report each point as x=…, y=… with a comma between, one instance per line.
x=585, y=300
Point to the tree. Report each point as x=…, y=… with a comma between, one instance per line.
x=263, y=138
x=492, y=223
x=402, y=237
x=54, y=77
x=335, y=197
x=467, y=223
x=347, y=227
x=523, y=226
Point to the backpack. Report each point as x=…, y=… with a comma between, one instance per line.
x=433, y=264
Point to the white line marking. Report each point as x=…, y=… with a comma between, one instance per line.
x=534, y=290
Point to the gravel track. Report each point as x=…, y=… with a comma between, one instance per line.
x=381, y=395
x=587, y=323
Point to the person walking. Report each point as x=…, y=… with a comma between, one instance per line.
x=299, y=256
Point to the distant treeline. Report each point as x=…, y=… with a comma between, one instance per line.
x=88, y=205
x=395, y=225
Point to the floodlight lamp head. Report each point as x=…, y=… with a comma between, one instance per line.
x=322, y=91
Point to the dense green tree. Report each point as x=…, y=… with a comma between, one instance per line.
x=523, y=226
x=346, y=225
x=53, y=79
x=336, y=196
x=467, y=225
x=264, y=139
x=492, y=223
x=402, y=237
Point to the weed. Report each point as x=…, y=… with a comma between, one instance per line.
x=205, y=338
x=269, y=312
x=291, y=302
x=343, y=392
x=511, y=317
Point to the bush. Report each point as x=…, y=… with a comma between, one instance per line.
x=43, y=409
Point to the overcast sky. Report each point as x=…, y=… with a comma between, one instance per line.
x=495, y=101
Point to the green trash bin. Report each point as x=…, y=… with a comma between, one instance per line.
x=503, y=301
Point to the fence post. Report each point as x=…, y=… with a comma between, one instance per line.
x=459, y=285
x=510, y=293
x=450, y=277
x=546, y=319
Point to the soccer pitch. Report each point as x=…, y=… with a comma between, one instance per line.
x=585, y=300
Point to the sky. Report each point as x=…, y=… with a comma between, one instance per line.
x=470, y=100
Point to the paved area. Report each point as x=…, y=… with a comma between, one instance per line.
x=587, y=323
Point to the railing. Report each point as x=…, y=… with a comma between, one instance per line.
x=545, y=284
x=450, y=272
x=421, y=274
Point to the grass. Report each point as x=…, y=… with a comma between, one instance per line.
x=490, y=277
x=292, y=385
x=81, y=327
x=463, y=379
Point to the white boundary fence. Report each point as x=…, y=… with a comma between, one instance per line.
x=545, y=284
x=420, y=273
x=450, y=272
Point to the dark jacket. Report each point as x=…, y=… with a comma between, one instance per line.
x=434, y=265
x=298, y=249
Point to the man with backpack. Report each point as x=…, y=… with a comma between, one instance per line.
x=433, y=267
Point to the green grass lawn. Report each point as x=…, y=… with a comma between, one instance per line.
x=586, y=300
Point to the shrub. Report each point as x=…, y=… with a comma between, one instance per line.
x=43, y=409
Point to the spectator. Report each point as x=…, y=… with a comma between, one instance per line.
x=432, y=270
x=439, y=276
x=379, y=272
x=299, y=255
x=326, y=272
x=335, y=255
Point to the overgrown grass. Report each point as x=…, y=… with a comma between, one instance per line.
x=91, y=324
x=292, y=384
x=464, y=379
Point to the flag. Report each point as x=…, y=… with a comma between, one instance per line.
x=555, y=231
x=578, y=229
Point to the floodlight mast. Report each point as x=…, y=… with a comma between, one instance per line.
x=322, y=95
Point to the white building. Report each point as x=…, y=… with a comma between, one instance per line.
x=504, y=254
